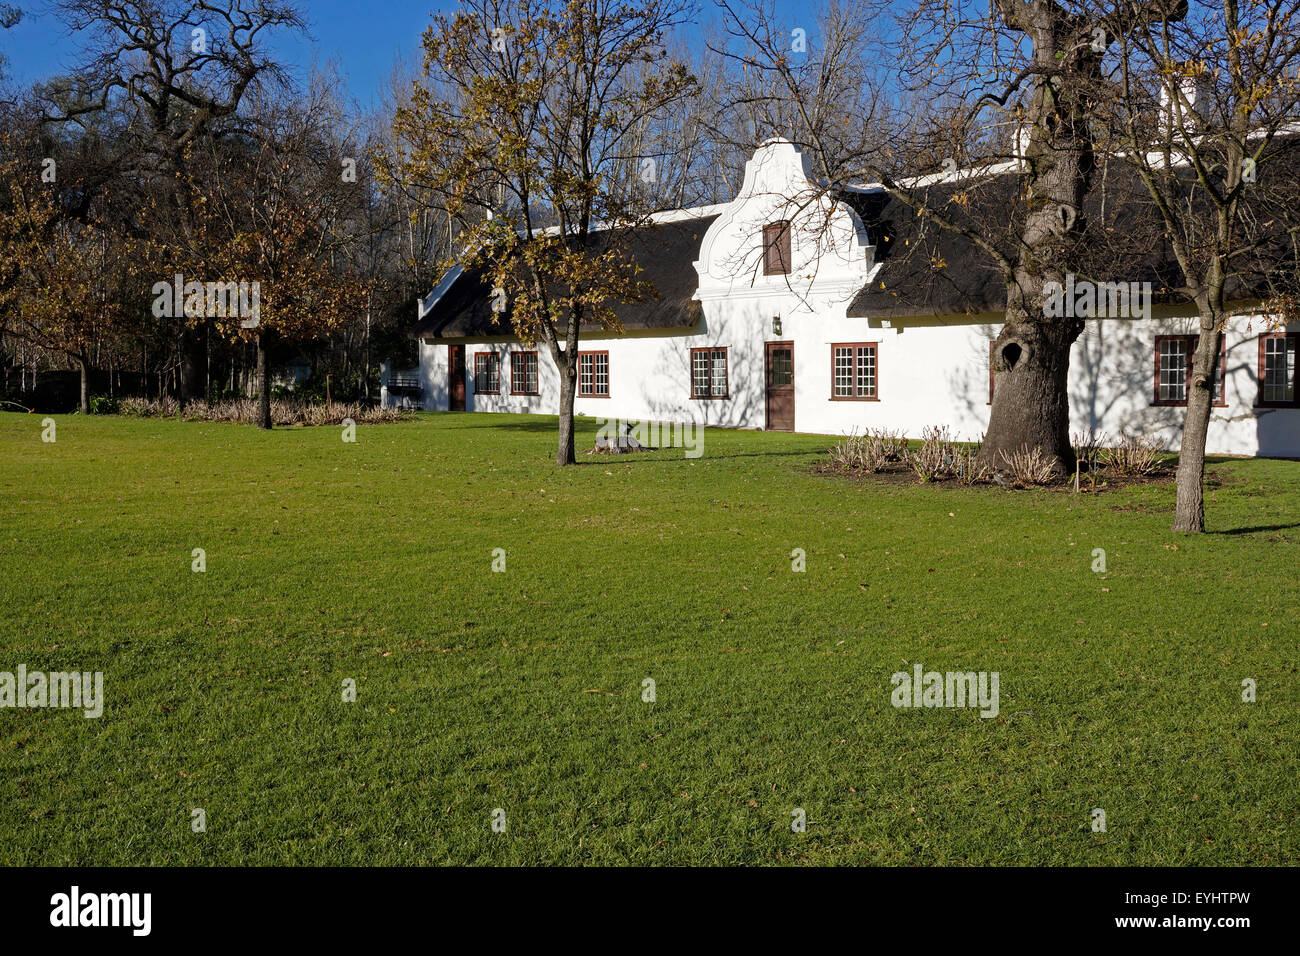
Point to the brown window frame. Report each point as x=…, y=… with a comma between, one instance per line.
x=875, y=361
x=593, y=393
x=1295, y=381
x=490, y=359
x=514, y=377
x=776, y=239
x=1220, y=383
x=726, y=373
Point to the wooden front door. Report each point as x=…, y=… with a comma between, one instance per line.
x=456, y=378
x=780, y=386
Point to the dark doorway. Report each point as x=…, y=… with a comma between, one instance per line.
x=780, y=386
x=456, y=378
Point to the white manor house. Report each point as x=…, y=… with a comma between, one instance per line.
x=795, y=314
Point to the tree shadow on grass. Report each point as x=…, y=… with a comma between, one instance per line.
x=1260, y=529
x=495, y=420
x=638, y=458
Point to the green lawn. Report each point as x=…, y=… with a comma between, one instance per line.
x=522, y=690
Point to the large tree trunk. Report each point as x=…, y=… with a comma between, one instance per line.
x=263, y=382
x=1031, y=400
x=84, y=365
x=568, y=386
x=190, y=384
x=1031, y=359
x=1189, y=510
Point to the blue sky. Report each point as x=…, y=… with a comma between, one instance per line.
x=363, y=38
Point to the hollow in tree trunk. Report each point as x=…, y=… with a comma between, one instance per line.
x=568, y=386
x=1189, y=507
x=263, y=383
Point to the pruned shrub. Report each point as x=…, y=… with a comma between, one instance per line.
x=1087, y=447
x=1133, y=456
x=969, y=470
x=1029, y=467
x=937, y=455
x=148, y=407
x=844, y=453
x=871, y=451
x=892, y=446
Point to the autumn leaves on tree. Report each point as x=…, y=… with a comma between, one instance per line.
x=521, y=126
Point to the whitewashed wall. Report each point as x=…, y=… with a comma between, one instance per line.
x=935, y=375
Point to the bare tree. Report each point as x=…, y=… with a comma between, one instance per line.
x=177, y=71
x=10, y=16
x=1206, y=113
x=280, y=213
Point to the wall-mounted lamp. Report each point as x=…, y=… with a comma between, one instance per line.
x=776, y=325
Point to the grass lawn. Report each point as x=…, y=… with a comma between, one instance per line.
x=522, y=690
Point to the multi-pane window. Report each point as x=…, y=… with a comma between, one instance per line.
x=1277, y=362
x=593, y=374
x=1173, y=360
x=780, y=365
x=709, y=373
x=523, y=373
x=776, y=249
x=1174, y=369
x=853, y=371
x=487, y=373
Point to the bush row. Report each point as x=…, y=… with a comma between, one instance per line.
x=938, y=455
x=245, y=411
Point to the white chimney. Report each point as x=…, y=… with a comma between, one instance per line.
x=1020, y=141
x=1195, y=86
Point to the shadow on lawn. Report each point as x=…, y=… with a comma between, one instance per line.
x=1259, y=529
x=642, y=459
x=494, y=420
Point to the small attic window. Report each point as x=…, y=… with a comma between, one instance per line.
x=776, y=249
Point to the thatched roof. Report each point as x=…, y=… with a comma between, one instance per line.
x=928, y=271
x=665, y=252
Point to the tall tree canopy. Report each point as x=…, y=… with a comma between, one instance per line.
x=526, y=126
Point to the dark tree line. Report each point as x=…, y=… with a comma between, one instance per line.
x=181, y=147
